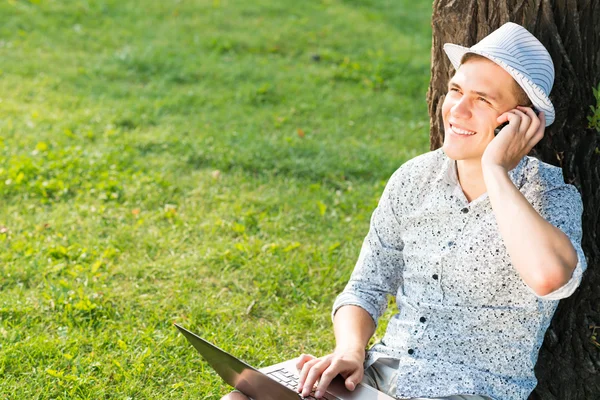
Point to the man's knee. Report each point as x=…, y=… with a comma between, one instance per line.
x=234, y=396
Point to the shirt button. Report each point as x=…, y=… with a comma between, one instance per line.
x=465, y=210
x=422, y=319
x=450, y=243
x=434, y=276
x=410, y=351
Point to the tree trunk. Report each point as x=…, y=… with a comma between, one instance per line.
x=568, y=366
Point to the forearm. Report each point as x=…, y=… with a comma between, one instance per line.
x=353, y=327
x=541, y=253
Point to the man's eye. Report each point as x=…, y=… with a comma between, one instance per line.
x=482, y=99
x=454, y=89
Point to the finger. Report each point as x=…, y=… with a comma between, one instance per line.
x=511, y=117
x=535, y=139
x=542, y=118
x=302, y=360
x=327, y=376
x=534, y=133
x=525, y=125
x=525, y=118
x=541, y=122
x=314, y=374
x=304, y=372
x=534, y=118
x=503, y=118
x=353, y=380
x=527, y=110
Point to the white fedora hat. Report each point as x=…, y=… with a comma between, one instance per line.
x=516, y=50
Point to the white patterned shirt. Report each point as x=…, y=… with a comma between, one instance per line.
x=466, y=323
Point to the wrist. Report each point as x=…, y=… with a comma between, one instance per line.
x=496, y=179
x=491, y=164
x=348, y=349
x=491, y=170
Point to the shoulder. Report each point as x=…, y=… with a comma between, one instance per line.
x=421, y=167
x=542, y=177
x=413, y=180
x=545, y=187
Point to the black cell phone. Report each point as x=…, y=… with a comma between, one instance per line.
x=499, y=128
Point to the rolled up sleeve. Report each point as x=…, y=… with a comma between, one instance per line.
x=562, y=207
x=378, y=271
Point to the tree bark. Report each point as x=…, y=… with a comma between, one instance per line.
x=568, y=366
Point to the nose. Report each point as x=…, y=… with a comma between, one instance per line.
x=461, y=109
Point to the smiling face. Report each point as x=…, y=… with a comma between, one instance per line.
x=478, y=94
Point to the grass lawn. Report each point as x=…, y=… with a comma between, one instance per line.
x=210, y=162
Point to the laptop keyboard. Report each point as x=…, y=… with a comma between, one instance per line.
x=290, y=380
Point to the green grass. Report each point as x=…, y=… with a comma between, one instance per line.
x=213, y=163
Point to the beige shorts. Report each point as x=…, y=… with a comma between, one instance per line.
x=383, y=374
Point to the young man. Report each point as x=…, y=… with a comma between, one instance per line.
x=476, y=240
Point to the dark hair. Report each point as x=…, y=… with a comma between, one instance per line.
x=520, y=95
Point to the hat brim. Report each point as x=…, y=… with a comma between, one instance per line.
x=537, y=96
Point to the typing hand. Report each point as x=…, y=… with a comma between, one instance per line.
x=348, y=364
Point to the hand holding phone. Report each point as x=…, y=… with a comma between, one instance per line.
x=499, y=128
x=526, y=129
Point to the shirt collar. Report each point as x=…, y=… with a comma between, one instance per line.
x=449, y=174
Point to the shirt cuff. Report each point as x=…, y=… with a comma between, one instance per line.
x=349, y=299
x=568, y=288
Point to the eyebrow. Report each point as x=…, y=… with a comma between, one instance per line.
x=482, y=94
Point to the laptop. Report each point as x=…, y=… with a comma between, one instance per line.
x=277, y=382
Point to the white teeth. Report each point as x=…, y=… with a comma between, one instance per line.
x=461, y=131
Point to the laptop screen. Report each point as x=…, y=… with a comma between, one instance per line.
x=237, y=373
